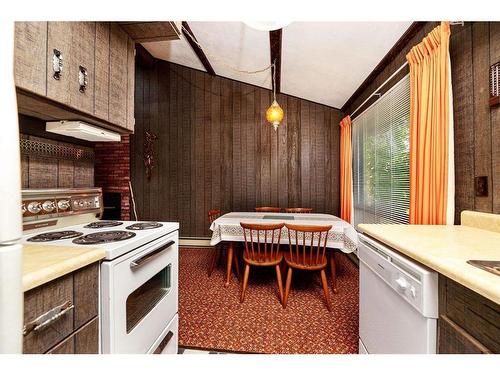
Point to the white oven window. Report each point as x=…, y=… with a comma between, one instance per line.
x=381, y=159
x=142, y=300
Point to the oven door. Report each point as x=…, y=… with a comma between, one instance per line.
x=139, y=296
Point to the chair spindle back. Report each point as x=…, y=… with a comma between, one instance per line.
x=213, y=215
x=262, y=241
x=307, y=244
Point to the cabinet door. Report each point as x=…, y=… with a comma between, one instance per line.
x=59, y=42
x=82, y=64
x=101, y=95
x=30, y=56
x=118, y=47
x=87, y=338
x=130, y=84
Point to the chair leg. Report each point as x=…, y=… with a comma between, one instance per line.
x=245, y=282
x=236, y=263
x=325, y=290
x=213, y=260
x=280, y=282
x=287, y=288
x=230, y=249
x=333, y=267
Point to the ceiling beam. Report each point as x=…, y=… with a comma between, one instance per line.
x=196, y=48
x=275, y=37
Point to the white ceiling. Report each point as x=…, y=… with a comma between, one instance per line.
x=321, y=61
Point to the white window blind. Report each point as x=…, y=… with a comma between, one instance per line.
x=381, y=169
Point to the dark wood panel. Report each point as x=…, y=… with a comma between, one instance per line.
x=216, y=149
x=482, y=127
x=495, y=121
x=463, y=117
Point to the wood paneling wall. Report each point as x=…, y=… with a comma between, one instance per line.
x=473, y=48
x=216, y=150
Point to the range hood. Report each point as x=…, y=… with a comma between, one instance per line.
x=82, y=130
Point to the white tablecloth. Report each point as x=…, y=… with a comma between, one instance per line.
x=227, y=227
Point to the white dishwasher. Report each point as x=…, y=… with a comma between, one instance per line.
x=398, y=302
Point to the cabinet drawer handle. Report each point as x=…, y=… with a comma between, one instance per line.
x=57, y=64
x=47, y=318
x=82, y=78
x=164, y=342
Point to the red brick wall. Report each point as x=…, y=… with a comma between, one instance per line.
x=112, y=170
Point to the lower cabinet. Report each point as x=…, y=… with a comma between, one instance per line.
x=83, y=341
x=61, y=316
x=468, y=322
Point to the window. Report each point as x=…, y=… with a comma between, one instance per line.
x=381, y=168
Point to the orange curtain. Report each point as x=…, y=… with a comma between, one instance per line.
x=345, y=170
x=429, y=127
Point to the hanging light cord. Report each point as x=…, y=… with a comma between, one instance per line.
x=223, y=62
x=274, y=78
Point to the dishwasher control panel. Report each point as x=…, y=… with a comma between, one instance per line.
x=412, y=281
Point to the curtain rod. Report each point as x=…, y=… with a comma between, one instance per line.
x=378, y=88
x=452, y=23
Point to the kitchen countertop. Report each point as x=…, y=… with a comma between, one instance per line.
x=42, y=264
x=445, y=249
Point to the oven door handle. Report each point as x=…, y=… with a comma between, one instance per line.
x=150, y=256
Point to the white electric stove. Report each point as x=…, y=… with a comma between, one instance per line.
x=138, y=277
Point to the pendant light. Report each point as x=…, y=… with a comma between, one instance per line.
x=274, y=113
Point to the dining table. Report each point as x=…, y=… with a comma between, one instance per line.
x=227, y=229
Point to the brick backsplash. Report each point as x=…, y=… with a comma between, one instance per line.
x=112, y=170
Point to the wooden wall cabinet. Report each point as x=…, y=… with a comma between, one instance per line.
x=468, y=322
x=77, y=330
x=96, y=83
x=30, y=45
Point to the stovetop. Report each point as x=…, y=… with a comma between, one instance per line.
x=115, y=245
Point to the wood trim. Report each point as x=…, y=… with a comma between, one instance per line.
x=414, y=28
x=197, y=50
x=275, y=37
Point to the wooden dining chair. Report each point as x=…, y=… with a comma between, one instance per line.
x=262, y=249
x=267, y=209
x=299, y=210
x=307, y=251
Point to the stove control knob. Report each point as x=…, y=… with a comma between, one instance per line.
x=63, y=204
x=34, y=207
x=48, y=206
x=23, y=208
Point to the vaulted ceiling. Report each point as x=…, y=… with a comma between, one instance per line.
x=320, y=61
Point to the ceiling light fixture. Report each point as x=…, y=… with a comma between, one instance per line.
x=274, y=113
x=266, y=25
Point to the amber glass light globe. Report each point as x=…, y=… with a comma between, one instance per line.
x=274, y=114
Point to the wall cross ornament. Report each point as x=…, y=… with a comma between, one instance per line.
x=149, y=153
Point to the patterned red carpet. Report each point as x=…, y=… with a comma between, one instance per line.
x=212, y=318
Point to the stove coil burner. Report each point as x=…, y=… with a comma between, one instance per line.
x=145, y=225
x=103, y=224
x=104, y=237
x=54, y=236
